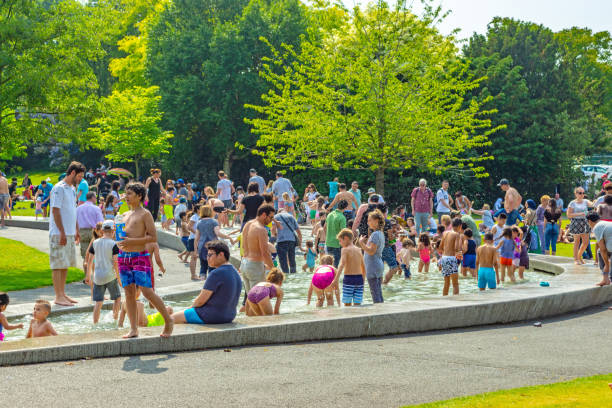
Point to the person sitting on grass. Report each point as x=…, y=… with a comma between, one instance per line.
x=39, y=325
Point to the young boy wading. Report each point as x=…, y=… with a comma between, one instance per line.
x=134, y=262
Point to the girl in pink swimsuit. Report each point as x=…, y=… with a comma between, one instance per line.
x=424, y=252
x=321, y=283
x=259, y=297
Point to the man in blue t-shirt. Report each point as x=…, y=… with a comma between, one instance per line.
x=44, y=191
x=257, y=179
x=333, y=188
x=82, y=191
x=218, y=300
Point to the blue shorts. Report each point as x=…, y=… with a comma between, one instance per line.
x=192, y=317
x=406, y=269
x=185, y=241
x=486, y=276
x=388, y=256
x=352, y=289
x=45, y=204
x=191, y=245
x=469, y=261
x=135, y=268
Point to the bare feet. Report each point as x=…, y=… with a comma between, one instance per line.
x=131, y=335
x=71, y=299
x=167, y=329
x=63, y=302
x=604, y=282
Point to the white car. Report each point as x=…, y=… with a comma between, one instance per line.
x=595, y=171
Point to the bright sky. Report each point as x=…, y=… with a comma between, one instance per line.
x=474, y=15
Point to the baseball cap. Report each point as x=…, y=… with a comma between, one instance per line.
x=180, y=181
x=108, y=224
x=252, y=171
x=182, y=200
x=503, y=182
x=371, y=190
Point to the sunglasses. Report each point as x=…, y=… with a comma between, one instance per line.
x=580, y=192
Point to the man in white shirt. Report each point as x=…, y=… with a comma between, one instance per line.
x=225, y=189
x=259, y=180
x=445, y=201
x=64, y=230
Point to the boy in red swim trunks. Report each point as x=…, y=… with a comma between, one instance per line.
x=134, y=261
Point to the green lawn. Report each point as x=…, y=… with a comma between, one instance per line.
x=580, y=393
x=23, y=267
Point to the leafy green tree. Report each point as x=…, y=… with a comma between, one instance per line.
x=205, y=56
x=384, y=91
x=47, y=86
x=129, y=128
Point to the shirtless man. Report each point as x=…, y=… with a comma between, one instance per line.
x=487, y=264
x=349, y=197
x=353, y=266
x=4, y=199
x=450, y=246
x=512, y=201
x=135, y=268
x=256, y=249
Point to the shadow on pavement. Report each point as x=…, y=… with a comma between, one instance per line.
x=136, y=363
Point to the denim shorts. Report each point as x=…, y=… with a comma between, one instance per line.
x=113, y=290
x=388, y=256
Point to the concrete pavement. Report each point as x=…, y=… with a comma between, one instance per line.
x=370, y=372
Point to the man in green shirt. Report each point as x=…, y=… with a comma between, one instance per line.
x=334, y=223
x=467, y=219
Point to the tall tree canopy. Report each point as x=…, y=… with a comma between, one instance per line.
x=384, y=91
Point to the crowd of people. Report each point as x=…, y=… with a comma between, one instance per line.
x=350, y=241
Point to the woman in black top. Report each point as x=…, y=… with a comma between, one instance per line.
x=551, y=227
x=154, y=190
x=249, y=204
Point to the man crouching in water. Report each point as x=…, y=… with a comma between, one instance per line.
x=134, y=261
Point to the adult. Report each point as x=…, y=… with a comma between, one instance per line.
x=281, y=185
x=421, y=202
x=603, y=235
x=225, y=189
x=357, y=193
x=512, y=201
x=4, y=199
x=256, y=250
x=135, y=262
x=336, y=222
x=361, y=219
x=217, y=301
x=288, y=237
x=82, y=191
x=207, y=230
x=250, y=204
x=579, y=227
x=88, y=216
x=115, y=186
x=467, y=219
x=552, y=215
x=44, y=191
x=540, y=220
x=154, y=190
x=63, y=231
x=462, y=203
x=559, y=201
x=333, y=188
x=445, y=201
x=347, y=196
x=373, y=249
x=182, y=189
x=255, y=178
x=372, y=193
x=26, y=182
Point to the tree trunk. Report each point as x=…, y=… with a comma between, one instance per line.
x=137, y=170
x=380, y=181
x=227, y=161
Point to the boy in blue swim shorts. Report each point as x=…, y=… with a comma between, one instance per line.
x=487, y=264
x=353, y=267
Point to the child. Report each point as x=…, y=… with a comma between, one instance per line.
x=259, y=297
x=310, y=257
x=144, y=320
x=425, y=252
x=516, y=256
x=446, y=221
x=109, y=207
x=4, y=301
x=39, y=325
x=287, y=204
x=153, y=249
x=487, y=264
x=320, y=238
x=506, y=249
x=183, y=217
x=38, y=207
x=322, y=282
x=498, y=229
x=524, y=258
x=450, y=246
x=104, y=253
x=353, y=267
x=404, y=256
x=156, y=319
x=469, y=254
x=487, y=217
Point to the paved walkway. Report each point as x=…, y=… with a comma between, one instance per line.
x=372, y=372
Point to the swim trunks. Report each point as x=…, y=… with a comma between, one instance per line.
x=352, y=289
x=135, y=268
x=449, y=265
x=156, y=319
x=469, y=261
x=4, y=199
x=486, y=276
x=505, y=261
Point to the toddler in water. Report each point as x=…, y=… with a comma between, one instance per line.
x=310, y=257
x=404, y=256
x=516, y=256
x=39, y=325
x=425, y=252
x=469, y=254
x=322, y=283
x=144, y=320
x=38, y=207
x=259, y=298
x=4, y=324
x=506, y=248
x=353, y=267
